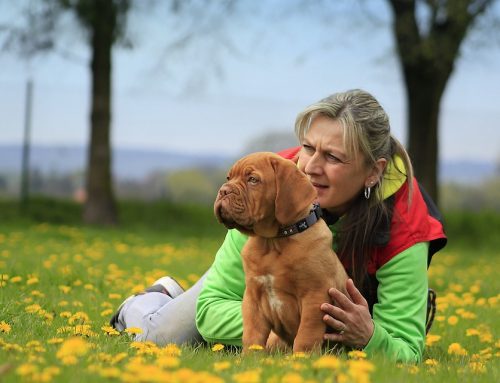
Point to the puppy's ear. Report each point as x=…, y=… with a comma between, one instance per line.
x=294, y=192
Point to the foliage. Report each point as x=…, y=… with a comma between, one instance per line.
x=60, y=282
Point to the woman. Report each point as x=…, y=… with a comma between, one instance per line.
x=385, y=235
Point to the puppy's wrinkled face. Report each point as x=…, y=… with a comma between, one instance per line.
x=247, y=200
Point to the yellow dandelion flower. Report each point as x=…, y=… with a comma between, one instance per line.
x=109, y=372
x=300, y=355
x=33, y=309
x=456, y=349
x=221, y=366
x=65, y=314
x=26, y=369
x=168, y=362
x=32, y=281
x=327, y=361
x=16, y=279
x=55, y=340
x=292, y=377
x=79, y=317
x=431, y=362
x=251, y=376
x=413, y=369
x=486, y=337
x=477, y=367
x=114, y=296
x=217, y=347
x=256, y=347
x=72, y=347
x=356, y=354
x=472, y=332
x=88, y=286
x=106, y=312
x=37, y=293
x=133, y=330
x=171, y=349
x=452, y=320
x=431, y=339
x=108, y=330
x=64, y=289
x=5, y=327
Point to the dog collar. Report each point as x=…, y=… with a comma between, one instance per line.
x=304, y=224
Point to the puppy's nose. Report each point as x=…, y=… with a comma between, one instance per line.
x=224, y=190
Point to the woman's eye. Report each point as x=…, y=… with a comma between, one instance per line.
x=308, y=148
x=333, y=158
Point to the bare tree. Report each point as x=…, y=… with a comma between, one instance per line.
x=428, y=46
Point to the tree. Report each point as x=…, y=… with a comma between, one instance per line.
x=427, y=51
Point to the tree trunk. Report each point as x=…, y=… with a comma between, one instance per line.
x=424, y=91
x=100, y=206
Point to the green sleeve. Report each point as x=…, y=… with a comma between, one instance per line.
x=399, y=315
x=218, y=309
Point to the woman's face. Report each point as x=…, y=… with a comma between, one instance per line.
x=338, y=179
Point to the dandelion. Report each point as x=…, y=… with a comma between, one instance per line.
x=452, y=320
x=456, y=349
x=328, y=362
x=431, y=339
x=472, y=332
x=168, y=362
x=55, y=340
x=108, y=330
x=106, y=312
x=356, y=354
x=477, y=367
x=251, y=376
x=3, y=279
x=5, y=327
x=256, y=347
x=292, y=377
x=171, y=349
x=221, y=366
x=133, y=330
x=32, y=281
x=114, y=296
x=64, y=289
x=431, y=362
x=26, y=369
x=15, y=279
x=217, y=347
x=71, y=349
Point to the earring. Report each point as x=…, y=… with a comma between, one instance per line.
x=368, y=191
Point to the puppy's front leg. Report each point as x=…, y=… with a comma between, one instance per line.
x=312, y=328
x=256, y=328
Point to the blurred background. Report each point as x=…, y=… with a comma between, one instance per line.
x=109, y=100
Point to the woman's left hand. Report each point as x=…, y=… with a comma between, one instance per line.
x=350, y=318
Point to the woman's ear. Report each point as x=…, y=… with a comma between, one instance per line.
x=376, y=172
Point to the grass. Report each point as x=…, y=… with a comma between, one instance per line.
x=59, y=278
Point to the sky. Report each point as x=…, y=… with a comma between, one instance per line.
x=207, y=99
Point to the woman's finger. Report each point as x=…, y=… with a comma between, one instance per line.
x=334, y=312
x=340, y=298
x=355, y=294
x=333, y=323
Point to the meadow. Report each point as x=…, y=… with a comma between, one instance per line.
x=61, y=281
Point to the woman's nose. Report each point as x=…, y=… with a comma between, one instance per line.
x=313, y=165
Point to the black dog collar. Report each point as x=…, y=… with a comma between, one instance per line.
x=304, y=224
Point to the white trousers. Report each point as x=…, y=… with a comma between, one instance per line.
x=163, y=319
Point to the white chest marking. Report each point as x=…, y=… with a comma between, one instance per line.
x=267, y=282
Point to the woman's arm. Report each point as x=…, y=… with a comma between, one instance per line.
x=397, y=328
x=218, y=310
x=399, y=315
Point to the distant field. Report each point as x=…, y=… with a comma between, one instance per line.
x=60, y=281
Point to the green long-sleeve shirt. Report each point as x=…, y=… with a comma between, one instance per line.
x=399, y=315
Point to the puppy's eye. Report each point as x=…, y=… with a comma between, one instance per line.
x=253, y=180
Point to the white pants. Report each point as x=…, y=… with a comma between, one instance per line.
x=163, y=319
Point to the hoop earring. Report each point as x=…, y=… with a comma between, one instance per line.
x=368, y=191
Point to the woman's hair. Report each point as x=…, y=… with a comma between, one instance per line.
x=366, y=134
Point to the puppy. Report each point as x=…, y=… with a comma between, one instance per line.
x=287, y=276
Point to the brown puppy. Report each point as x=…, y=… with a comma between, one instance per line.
x=287, y=276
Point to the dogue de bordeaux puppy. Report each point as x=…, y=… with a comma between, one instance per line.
x=288, y=259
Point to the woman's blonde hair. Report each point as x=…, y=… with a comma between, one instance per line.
x=366, y=133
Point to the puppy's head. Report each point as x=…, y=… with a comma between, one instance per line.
x=263, y=192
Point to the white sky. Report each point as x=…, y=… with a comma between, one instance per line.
x=291, y=65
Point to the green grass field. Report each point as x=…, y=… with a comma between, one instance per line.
x=61, y=281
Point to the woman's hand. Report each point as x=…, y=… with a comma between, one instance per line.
x=350, y=318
